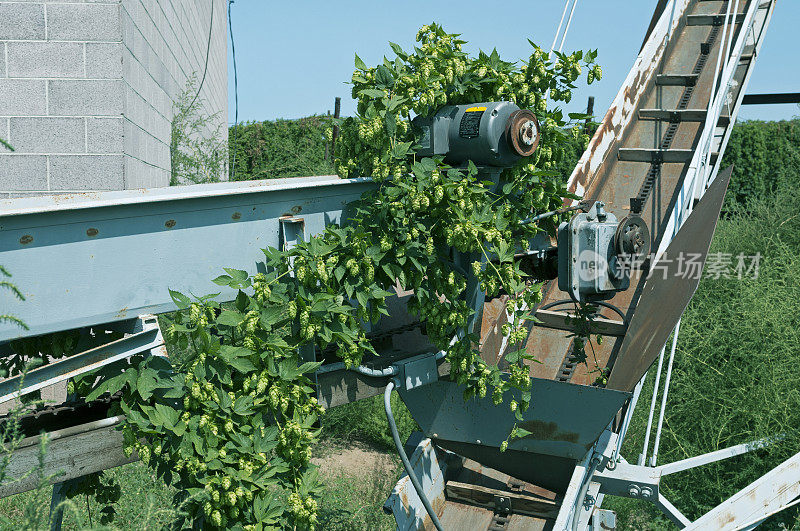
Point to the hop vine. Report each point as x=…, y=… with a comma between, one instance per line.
x=234, y=424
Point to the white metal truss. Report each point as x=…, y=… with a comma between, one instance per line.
x=779, y=488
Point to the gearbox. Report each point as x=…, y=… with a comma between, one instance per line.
x=596, y=253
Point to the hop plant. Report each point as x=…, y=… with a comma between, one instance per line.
x=242, y=402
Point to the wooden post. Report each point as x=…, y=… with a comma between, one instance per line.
x=589, y=110
x=337, y=108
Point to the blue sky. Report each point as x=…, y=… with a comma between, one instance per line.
x=294, y=57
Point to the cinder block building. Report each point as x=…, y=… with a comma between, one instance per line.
x=88, y=89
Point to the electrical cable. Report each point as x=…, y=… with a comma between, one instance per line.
x=235, y=92
x=566, y=29
x=387, y=403
x=558, y=31
x=208, y=50
x=366, y=371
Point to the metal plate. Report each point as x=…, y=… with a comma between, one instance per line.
x=564, y=419
x=667, y=293
x=97, y=257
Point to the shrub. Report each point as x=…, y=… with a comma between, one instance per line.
x=283, y=148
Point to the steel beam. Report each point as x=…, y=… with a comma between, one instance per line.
x=711, y=457
x=769, y=99
x=71, y=453
x=97, y=257
x=148, y=339
x=671, y=512
x=598, y=325
x=430, y=465
x=765, y=496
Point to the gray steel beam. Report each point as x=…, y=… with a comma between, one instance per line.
x=768, y=494
x=655, y=155
x=673, y=115
x=71, y=453
x=148, y=339
x=560, y=321
x=97, y=257
x=677, y=80
x=671, y=512
x=711, y=20
x=711, y=457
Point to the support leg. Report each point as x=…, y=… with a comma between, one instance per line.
x=56, y=507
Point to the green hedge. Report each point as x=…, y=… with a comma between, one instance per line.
x=283, y=148
x=765, y=156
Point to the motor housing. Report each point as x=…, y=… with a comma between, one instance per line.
x=489, y=134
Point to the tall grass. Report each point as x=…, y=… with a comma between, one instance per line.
x=735, y=377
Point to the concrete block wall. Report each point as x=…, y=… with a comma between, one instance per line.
x=165, y=44
x=87, y=89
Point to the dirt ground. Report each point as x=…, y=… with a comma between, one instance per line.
x=355, y=459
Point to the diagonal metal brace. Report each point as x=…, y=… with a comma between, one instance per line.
x=643, y=482
x=148, y=338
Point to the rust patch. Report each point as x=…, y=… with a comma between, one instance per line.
x=25, y=240
x=170, y=223
x=92, y=232
x=725, y=519
x=236, y=216
x=547, y=431
x=122, y=313
x=296, y=209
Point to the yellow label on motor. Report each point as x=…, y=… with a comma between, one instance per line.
x=475, y=109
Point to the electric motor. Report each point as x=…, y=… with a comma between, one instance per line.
x=488, y=134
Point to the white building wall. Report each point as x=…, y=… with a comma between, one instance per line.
x=87, y=89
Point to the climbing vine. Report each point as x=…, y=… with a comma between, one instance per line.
x=232, y=425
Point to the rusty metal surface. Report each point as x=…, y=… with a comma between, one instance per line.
x=494, y=317
x=430, y=465
x=462, y=516
x=546, y=471
x=667, y=292
x=475, y=473
x=600, y=175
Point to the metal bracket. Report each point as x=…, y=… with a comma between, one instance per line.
x=148, y=339
x=292, y=231
x=418, y=371
x=604, y=520
x=502, y=504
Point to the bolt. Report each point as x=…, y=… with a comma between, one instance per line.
x=633, y=491
x=646, y=492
